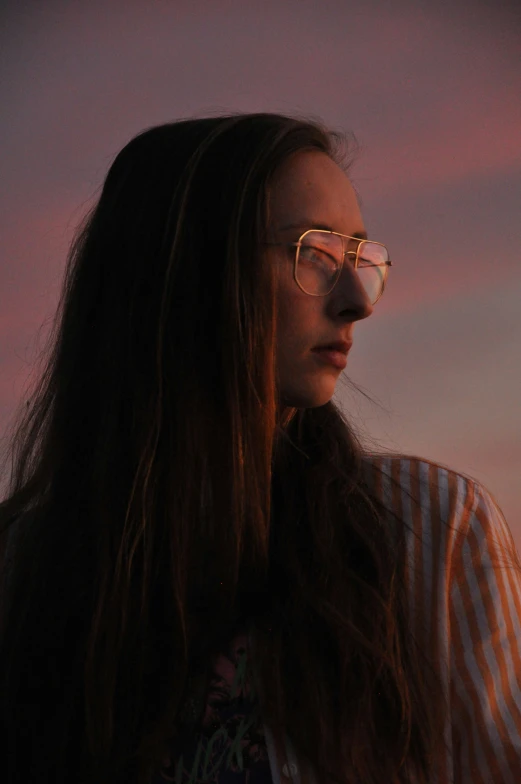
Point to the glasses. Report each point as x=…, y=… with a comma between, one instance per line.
x=319, y=259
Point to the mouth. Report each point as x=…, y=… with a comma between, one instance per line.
x=332, y=356
x=344, y=346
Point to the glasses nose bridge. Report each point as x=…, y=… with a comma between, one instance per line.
x=353, y=272
x=348, y=253
x=346, y=241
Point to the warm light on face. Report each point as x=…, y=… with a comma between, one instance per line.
x=310, y=190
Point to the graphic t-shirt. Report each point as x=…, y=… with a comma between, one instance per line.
x=228, y=745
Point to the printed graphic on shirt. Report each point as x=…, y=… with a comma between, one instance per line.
x=229, y=745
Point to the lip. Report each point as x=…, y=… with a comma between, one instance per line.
x=337, y=345
x=333, y=356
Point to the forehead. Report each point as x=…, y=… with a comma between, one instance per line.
x=311, y=188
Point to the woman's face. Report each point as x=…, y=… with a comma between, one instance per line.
x=309, y=191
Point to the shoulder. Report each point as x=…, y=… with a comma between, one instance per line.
x=397, y=476
x=438, y=502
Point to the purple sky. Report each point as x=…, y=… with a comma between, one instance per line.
x=432, y=92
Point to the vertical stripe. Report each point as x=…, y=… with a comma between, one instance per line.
x=455, y=516
x=497, y=643
x=469, y=670
x=510, y=576
x=276, y=756
x=477, y=679
x=295, y=769
x=440, y=617
x=417, y=547
x=432, y=491
x=425, y=553
x=410, y=538
x=492, y=625
x=467, y=609
x=471, y=741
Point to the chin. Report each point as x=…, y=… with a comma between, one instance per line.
x=308, y=398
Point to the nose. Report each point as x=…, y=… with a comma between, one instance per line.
x=350, y=293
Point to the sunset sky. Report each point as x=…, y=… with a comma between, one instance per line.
x=432, y=92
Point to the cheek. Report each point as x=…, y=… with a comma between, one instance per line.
x=296, y=316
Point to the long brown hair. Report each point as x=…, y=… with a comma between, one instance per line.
x=158, y=494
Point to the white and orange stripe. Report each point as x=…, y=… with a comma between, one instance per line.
x=464, y=587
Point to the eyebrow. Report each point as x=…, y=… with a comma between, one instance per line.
x=359, y=235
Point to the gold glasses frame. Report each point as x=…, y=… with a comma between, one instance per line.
x=345, y=253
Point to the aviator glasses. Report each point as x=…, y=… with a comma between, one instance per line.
x=319, y=258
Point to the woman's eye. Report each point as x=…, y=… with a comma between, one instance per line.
x=317, y=255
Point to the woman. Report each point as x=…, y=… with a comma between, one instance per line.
x=206, y=576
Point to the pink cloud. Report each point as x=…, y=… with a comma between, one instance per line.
x=475, y=131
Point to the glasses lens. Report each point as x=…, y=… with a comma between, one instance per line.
x=319, y=262
x=372, y=269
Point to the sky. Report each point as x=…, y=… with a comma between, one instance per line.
x=431, y=92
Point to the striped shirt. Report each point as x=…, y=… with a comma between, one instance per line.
x=464, y=584
x=463, y=577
